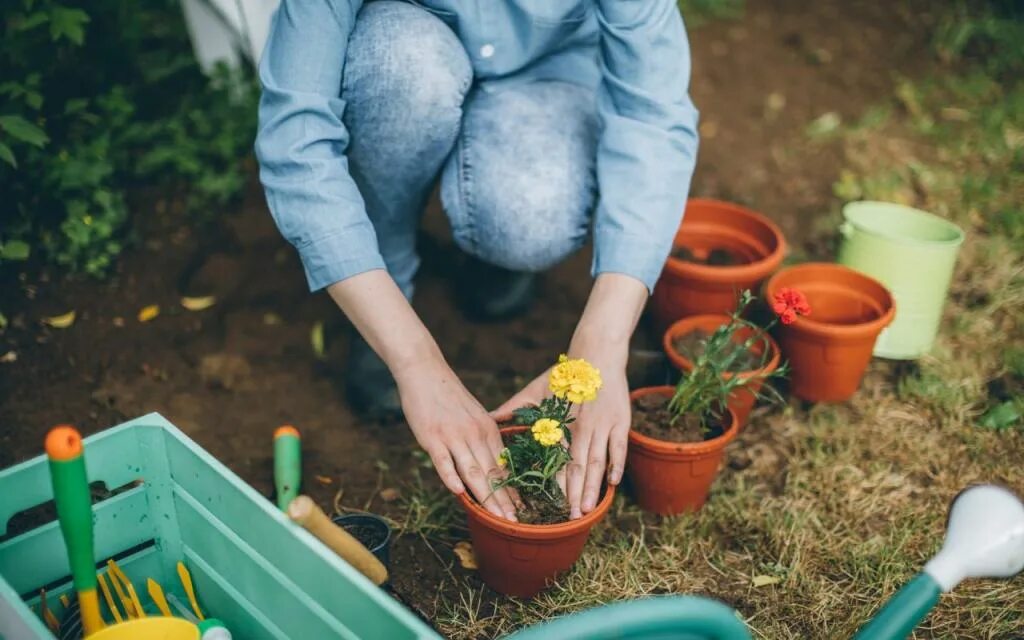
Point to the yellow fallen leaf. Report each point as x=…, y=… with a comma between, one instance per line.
x=10, y=356
x=149, y=312
x=464, y=550
x=324, y=480
x=62, y=321
x=316, y=339
x=390, y=494
x=764, y=581
x=198, y=304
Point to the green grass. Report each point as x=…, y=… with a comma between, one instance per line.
x=697, y=12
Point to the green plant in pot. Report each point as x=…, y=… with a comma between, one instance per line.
x=746, y=356
x=521, y=558
x=679, y=433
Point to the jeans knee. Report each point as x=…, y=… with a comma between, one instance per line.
x=527, y=231
x=404, y=60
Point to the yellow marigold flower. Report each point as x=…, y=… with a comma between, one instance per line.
x=546, y=431
x=503, y=458
x=574, y=380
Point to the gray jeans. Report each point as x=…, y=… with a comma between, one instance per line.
x=516, y=162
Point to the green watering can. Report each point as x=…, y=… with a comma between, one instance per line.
x=984, y=539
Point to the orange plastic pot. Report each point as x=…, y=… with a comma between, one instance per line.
x=688, y=289
x=829, y=350
x=743, y=399
x=672, y=477
x=522, y=559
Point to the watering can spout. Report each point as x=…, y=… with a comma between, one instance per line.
x=984, y=538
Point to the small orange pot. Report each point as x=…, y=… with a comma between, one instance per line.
x=687, y=289
x=742, y=400
x=829, y=350
x=522, y=559
x=673, y=477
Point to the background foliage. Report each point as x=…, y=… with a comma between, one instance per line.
x=99, y=97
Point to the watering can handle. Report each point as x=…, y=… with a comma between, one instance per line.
x=904, y=610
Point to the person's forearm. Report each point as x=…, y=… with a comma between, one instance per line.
x=385, y=319
x=613, y=309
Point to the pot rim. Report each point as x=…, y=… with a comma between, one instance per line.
x=688, y=324
x=536, y=531
x=807, y=324
x=753, y=271
x=682, y=448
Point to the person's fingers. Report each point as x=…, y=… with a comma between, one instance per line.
x=618, y=445
x=597, y=465
x=489, y=463
x=532, y=393
x=575, y=471
x=445, y=467
x=474, y=475
x=496, y=445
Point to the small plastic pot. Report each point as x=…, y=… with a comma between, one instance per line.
x=669, y=478
x=688, y=289
x=743, y=399
x=829, y=350
x=522, y=559
x=372, y=531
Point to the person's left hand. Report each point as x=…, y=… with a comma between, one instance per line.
x=601, y=431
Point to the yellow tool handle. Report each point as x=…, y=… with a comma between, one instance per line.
x=109, y=598
x=186, y=582
x=156, y=593
x=305, y=512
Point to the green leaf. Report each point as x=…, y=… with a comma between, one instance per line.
x=15, y=250
x=7, y=155
x=1001, y=416
x=21, y=129
x=31, y=21
x=68, y=24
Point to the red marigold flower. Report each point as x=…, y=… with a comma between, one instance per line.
x=789, y=303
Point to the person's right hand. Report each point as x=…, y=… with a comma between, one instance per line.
x=457, y=433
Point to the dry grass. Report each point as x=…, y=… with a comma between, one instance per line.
x=844, y=503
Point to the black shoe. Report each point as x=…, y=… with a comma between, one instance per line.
x=371, y=389
x=488, y=293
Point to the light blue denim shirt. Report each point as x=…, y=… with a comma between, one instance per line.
x=635, y=52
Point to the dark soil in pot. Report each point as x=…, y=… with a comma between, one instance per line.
x=540, y=508
x=652, y=418
x=371, y=536
x=716, y=257
x=691, y=346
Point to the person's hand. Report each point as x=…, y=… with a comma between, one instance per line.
x=601, y=431
x=457, y=433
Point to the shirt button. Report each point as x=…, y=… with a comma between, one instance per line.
x=487, y=51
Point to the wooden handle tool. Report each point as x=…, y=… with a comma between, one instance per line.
x=305, y=512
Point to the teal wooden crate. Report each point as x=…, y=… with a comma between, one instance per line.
x=251, y=566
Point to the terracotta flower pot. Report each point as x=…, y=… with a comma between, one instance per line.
x=687, y=288
x=742, y=400
x=522, y=559
x=673, y=477
x=829, y=350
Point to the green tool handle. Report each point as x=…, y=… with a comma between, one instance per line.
x=287, y=468
x=897, y=619
x=74, y=510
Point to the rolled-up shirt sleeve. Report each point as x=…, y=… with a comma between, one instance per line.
x=648, y=145
x=301, y=142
